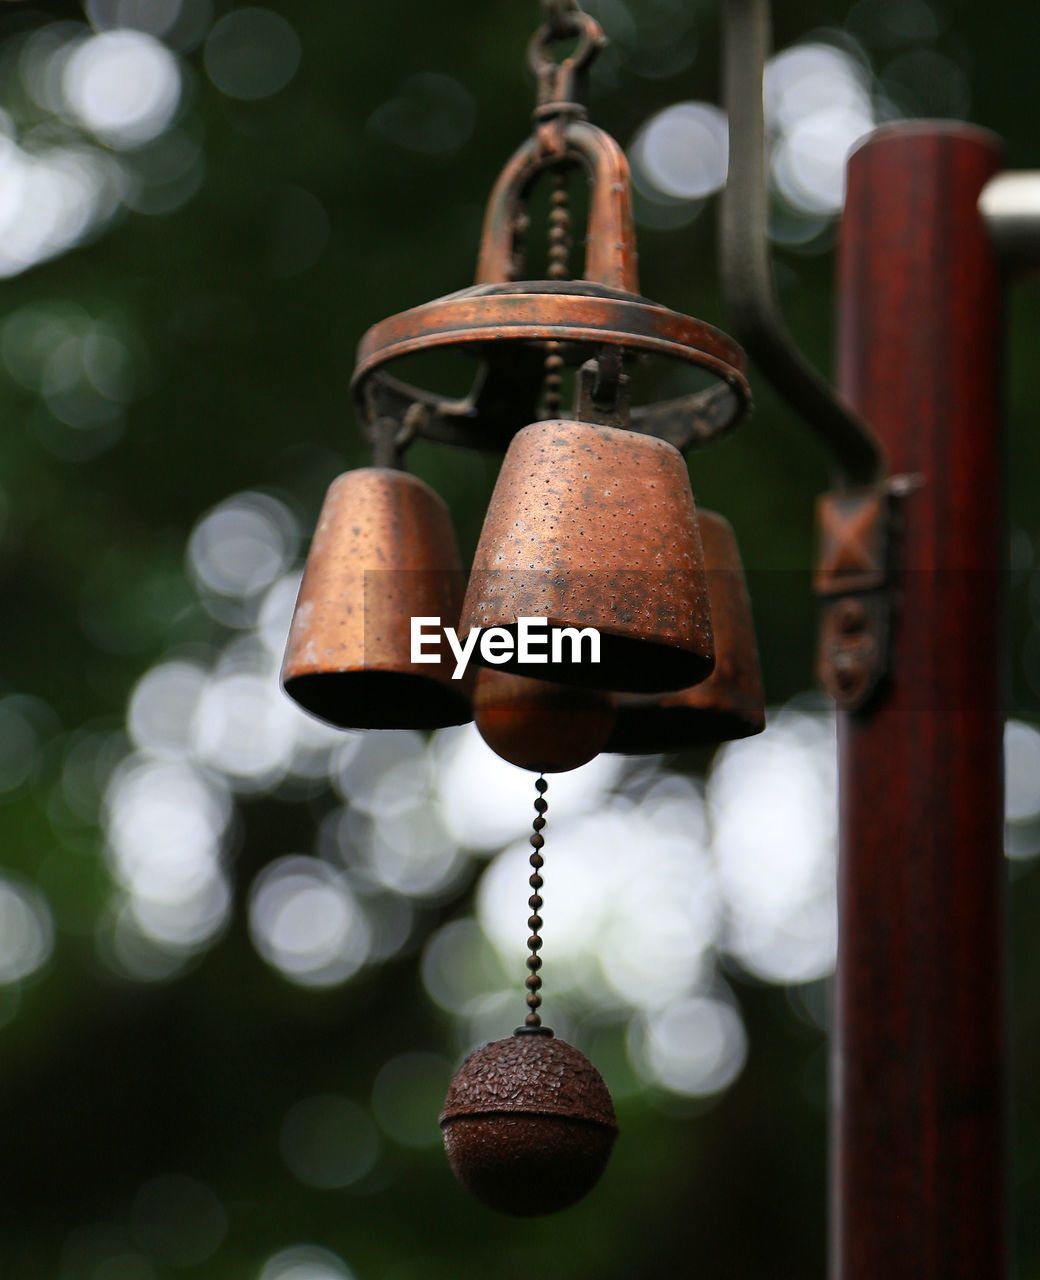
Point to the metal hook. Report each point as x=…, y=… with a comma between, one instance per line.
x=561, y=85
x=747, y=277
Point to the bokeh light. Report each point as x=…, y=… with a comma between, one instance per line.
x=617, y=937
x=893, y=22
x=407, y=1097
x=104, y=1250
x=164, y=175
x=746, y=867
x=327, y=1141
x=82, y=369
x=694, y=1047
x=460, y=966
x=306, y=922
x=124, y=86
x=19, y=744
x=305, y=1262
x=244, y=730
x=820, y=98
x=162, y=708
x=179, y=1221
x=51, y=200
x=772, y=802
x=432, y=113
x=252, y=53
x=1022, y=789
x=484, y=815
x=682, y=152
x=242, y=546
x=26, y=930
x=156, y=17
x=165, y=822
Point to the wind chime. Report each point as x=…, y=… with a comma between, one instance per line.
x=591, y=525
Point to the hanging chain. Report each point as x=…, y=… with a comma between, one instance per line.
x=562, y=82
x=560, y=228
x=533, y=1021
x=559, y=269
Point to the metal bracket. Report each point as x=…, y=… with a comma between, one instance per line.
x=853, y=580
x=599, y=399
x=745, y=261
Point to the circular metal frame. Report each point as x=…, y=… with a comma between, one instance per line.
x=490, y=321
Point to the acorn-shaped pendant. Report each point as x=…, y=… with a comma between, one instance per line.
x=528, y=1122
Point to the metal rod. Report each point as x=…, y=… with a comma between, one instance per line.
x=917, y=1088
x=1010, y=205
x=747, y=277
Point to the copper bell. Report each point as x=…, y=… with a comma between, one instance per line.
x=593, y=526
x=383, y=553
x=729, y=704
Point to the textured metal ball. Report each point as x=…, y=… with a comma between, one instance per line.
x=538, y=725
x=528, y=1125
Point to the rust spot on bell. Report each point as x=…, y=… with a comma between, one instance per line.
x=384, y=552
x=592, y=526
x=528, y=1125
x=730, y=703
x=539, y=725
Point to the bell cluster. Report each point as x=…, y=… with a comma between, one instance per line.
x=591, y=540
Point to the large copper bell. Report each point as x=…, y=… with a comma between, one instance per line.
x=729, y=704
x=592, y=526
x=384, y=553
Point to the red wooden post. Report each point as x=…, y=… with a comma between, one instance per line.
x=918, y=1178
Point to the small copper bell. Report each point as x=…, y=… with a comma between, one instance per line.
x=730, y=703
x=528, y=1124
x=383, y=553
x=593, y=526
x=540, y=725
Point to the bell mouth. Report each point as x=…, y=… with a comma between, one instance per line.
x=380, y=699
x=645, y=728
x=626, y=663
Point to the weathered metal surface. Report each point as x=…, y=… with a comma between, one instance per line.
x=610, y=247
x=505, y=397
x=528, y=1124
x=590, y=526
x=562, y=82
x=383, y=552
x=510, y=325
x=582, y=316
x=918, y=1069
x=602, y=398
x=730, y=702
x=852, y=654
x=540, y=725
x=853, y=528
x=852, y=578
